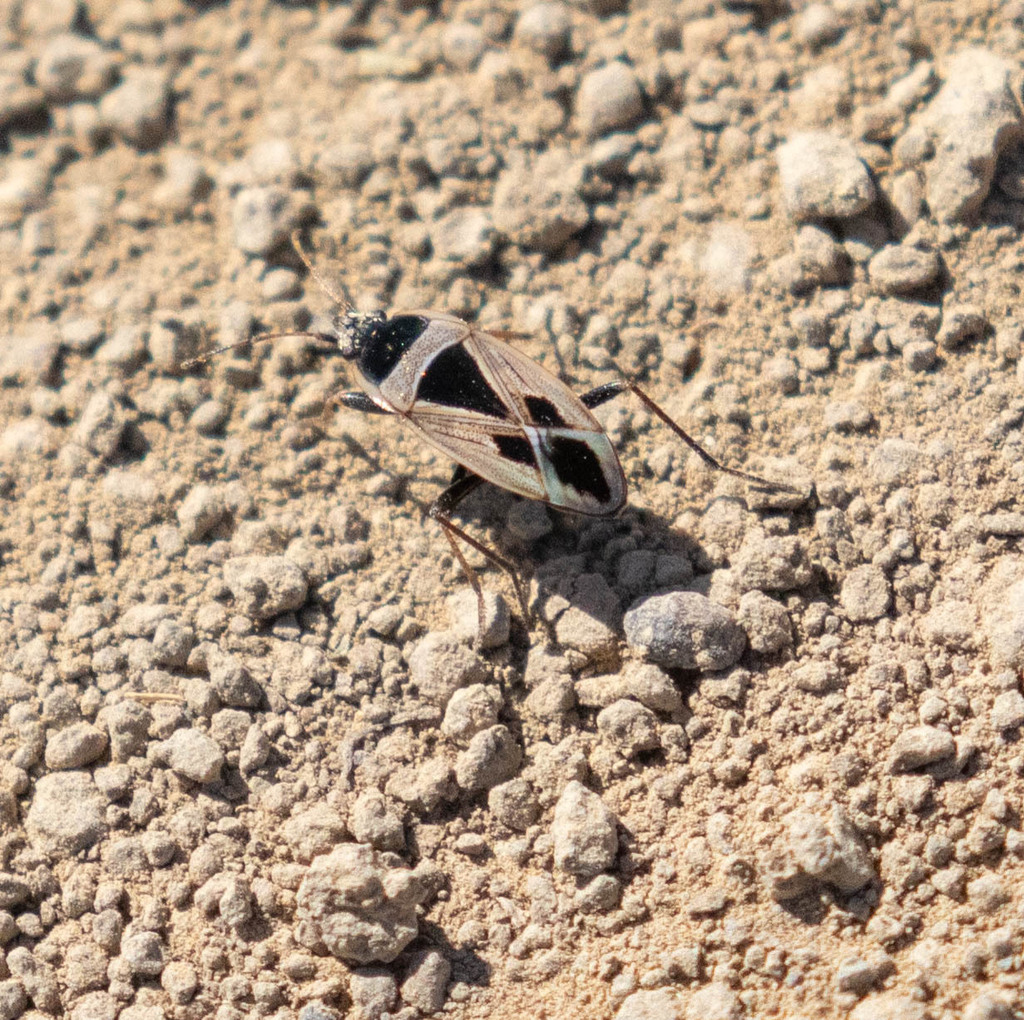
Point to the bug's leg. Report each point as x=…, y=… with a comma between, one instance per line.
x=601, y=394
x=462, y=484
x=361, y=402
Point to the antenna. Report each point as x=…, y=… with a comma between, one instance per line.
x=203, y=358
x=328, y=288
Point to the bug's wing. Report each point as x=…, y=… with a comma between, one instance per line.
x=579, y=468
x=490, y=447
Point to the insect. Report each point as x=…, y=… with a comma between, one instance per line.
x=498, y=414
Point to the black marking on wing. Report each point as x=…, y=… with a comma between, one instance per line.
x=515, y=448
x=384, y=347
x=453, y=379
x=576, y=464
x=543, y=411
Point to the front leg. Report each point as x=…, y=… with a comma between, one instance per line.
x=361, y=402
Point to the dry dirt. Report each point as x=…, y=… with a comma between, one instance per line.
x=829, y=825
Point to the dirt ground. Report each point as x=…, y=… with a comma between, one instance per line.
x=757, y=754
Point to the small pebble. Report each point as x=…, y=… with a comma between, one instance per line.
x=492, y=756
x=684, y=630
x=609, y=99
x=823, y=177
x=901, y=269
x=920, y=746
x=865, y=594
x=139, y=108
x=191, y=754
x=584, y=832
x=545, y=28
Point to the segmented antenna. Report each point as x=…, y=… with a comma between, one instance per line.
x=335, y=295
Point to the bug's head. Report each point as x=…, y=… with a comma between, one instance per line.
x=354, y=329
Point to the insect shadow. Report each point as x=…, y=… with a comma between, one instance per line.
x=502, y=417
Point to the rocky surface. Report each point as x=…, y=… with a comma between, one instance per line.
x=758, y=751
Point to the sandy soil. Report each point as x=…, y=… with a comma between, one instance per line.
x=230, y=658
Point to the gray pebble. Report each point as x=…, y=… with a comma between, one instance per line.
x=313, y=831
x=185, y=183
x=465, y=237
x=920, y=355
x=538, y=206
x=655, y=1004
x=895, y=462
x=847, y=416
x=13, y=1000
x=471, y=710
x=101, y=428
x=138, y=110
x=1008, y=711
x=817, y=677
x=144, y=954
x=831, y=851
x=859, y=976
x=374, y=992
x=865, y=594
x=75, y=746
x=818, y=25
x=426, y=981
x=823, y=177
x=262, y=219
x=67, y=813
x=191, y=754
x=73, y=67
x=902, y=269
x=817, y=260
x=545, y=28
x=440, y=664
x=920, y=746
x=584, y=832
x=514, y=804
x=629, y=726
x=973, y=118
x=265, y=586
x=209, y=418
x=766, y=622
x=13, y=891
x=492, y=757
x=462, y=45
x=772, y=563
x=599, y=895
x=360, y=903
x=684, y=630
x=38, y=978
x=960, y=325
x=202, y=509
x=609, y=99
x=371, y=821
x=346, y=164
x=464, y=615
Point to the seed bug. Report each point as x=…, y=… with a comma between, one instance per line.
x=497, y=413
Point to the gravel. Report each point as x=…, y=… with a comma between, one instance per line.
x=822, y=177
x=191, y=754
x=684, y=630
x=360, y=904
x=584, y=832
x=608, y=99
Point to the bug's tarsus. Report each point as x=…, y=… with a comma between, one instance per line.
x=462, y=484
x=201, y=359
x=602, y=394
x=322, y=282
